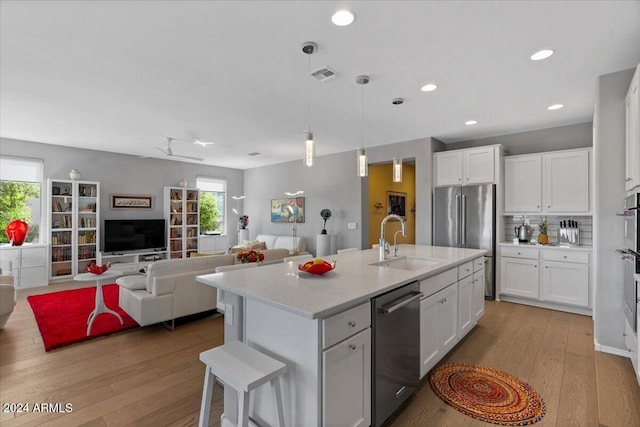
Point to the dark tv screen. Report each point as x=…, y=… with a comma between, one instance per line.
x=122, y=235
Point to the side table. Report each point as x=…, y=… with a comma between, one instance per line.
x=100, y=306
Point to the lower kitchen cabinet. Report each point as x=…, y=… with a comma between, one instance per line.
x=466, y=318
x=562, y=280
x=438, y=326
x=347, y=382
x=519, y=277
x=478, y=295
x=565, y=282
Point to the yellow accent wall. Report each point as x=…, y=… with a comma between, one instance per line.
x=380, y=183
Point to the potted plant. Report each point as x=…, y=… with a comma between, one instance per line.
x=543, y=226
x=325, y=214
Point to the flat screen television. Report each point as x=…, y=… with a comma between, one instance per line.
x=122, y=235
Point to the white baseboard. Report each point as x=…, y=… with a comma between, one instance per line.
x=611, y=350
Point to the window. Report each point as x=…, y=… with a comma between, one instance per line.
x=213, y=199
x=20, y=190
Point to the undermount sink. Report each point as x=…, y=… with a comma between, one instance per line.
x=407, y=263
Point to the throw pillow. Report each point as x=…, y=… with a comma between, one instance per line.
x=258, y=246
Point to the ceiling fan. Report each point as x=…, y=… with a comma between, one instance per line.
x=169, y=151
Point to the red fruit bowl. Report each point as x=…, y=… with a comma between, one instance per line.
x=313, y=268
x=97, y=269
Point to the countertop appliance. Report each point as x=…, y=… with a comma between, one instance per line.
x=396, y=349
x=631, y=256
x=465, y=217
x=523, y=232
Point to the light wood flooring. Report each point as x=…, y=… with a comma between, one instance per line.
x=152, y=376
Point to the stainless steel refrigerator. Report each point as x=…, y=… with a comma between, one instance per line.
x=465, y=217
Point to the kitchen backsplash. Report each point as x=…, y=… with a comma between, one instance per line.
x=585, y=225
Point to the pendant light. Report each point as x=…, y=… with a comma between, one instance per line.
x=362, y=164
x=309, y=147
x=397, y=161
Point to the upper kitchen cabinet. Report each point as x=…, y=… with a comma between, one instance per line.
x=468, y=166
x=632, y=134
x=548, y=183
x=523, y=184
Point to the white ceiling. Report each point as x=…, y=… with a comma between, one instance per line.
x=121, y=76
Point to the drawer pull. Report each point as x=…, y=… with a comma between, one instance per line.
x=352, y=324
x=519, y=253
x=565, y=257
x=352, y=346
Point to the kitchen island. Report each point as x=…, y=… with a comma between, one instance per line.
x=320, y=326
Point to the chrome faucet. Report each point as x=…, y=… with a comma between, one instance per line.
x=395, y=244
x=383, y=243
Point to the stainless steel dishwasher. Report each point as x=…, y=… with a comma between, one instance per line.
x=396, y=349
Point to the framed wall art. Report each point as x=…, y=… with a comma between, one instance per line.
x=287, y=210
x=397, y=203
x=132, y=201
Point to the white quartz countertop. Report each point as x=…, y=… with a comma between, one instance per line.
x=545, y=247
x=353, y=281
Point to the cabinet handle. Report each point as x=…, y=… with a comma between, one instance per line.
x=546, y=266
x=548, y=206
x=628, y=179
x=519, y=253
x=565, y=257
x=624, y=334
x=352, y=324
x=535, y=266
x=538, y=206
x=352, y=346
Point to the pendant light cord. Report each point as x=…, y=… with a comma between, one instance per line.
x=309, y=91
x=362, y=115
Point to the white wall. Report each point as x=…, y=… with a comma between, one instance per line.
x=609, y=136
x=332, y=183
x=121, y=173
x=536, y=141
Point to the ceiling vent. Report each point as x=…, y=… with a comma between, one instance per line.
x=323, y=74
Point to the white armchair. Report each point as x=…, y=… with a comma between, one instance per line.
x=7, y=293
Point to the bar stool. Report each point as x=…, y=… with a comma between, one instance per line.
x=244, y=369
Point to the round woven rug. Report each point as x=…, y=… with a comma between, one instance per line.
x=487, y=394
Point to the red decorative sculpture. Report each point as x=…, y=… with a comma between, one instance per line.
x=17, y=232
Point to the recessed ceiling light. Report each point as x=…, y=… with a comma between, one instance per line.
x=429, y=87
x=471, y=122
x=541, y=54
x=342, y=18
x=555, y=107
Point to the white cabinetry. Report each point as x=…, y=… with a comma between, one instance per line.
x=346, y=367
x=74, y=226
x=28, y=264
x=548, y=183
x=631, y=343
x=466, y=318
x=523, y=184
x=478, y=288
x=468, y=166
x=565, y=277
x=448, y=168
x=213, y=244
x=632, y=134
x=547, y=277
x=565, y=181
x=519, y=272
x=438, y=326
x=182, y=212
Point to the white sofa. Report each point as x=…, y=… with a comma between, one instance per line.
x=274, y=241
x=169, y=289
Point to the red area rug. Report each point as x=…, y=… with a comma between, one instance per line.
x=62, y=316
x=487, y=394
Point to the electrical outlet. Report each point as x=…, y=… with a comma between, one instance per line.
x=352, y=225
